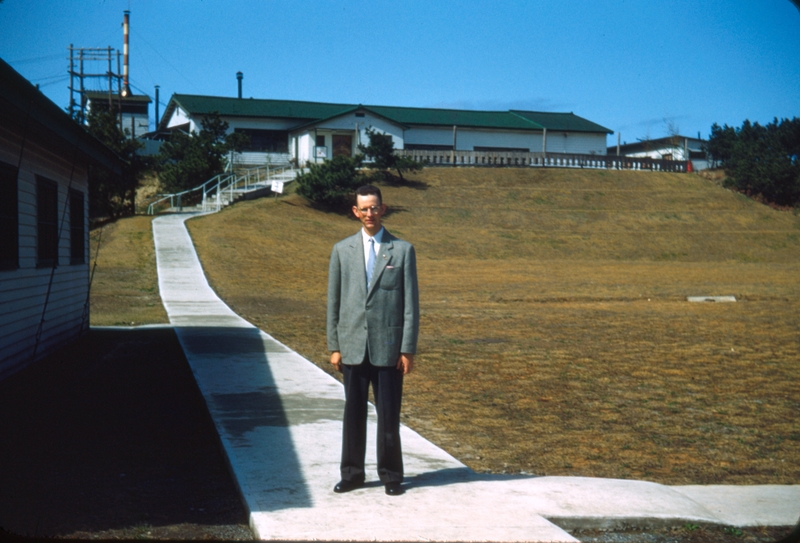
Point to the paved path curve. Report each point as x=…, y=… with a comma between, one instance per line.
x=279, y=419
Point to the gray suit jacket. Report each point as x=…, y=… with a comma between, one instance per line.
x=383, y=322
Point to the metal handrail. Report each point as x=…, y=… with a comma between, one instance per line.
x=212, y=189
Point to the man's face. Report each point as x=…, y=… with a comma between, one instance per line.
x=369, y=211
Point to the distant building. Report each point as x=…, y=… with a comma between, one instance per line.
x=45, y=157
x=669, y=148
x=134, y=111
x=281, y=130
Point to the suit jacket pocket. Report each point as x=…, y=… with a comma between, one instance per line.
x=391, y=279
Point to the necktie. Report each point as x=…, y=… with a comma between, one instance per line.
x=370, y=261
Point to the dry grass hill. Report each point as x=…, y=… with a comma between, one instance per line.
x=556, y=336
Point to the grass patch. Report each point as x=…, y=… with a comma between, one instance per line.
x=125, y=284
x=568, y=347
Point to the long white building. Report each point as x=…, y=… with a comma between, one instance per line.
x=281, y=130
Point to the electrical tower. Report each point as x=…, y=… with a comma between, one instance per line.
x=86, y=65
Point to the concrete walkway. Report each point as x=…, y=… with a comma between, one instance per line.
x=279, y=418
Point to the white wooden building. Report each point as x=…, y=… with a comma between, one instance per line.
x=667, y=148
x=281, y=130
x=133, y=110
x=45, y=157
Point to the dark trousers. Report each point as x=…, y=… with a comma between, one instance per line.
x=387, y=387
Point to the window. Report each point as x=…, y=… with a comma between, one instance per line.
x=9, y=218
x=320, y=141
x=77, y=233
x=46, y=223
x=270, y=141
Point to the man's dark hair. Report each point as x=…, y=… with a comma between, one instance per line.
x=369, y=190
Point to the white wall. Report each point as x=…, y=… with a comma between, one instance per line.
x=469, y=138
x=348, y=124
x=180, y=117
x=23, y=291
x=578, y=143
x=304, y=147
x=137, y=124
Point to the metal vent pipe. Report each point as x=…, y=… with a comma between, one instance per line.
x=239, y=76
x=157, y=89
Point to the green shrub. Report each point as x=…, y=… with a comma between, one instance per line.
x=331, y=184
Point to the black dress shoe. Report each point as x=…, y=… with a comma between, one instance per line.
x=346, y=486
x=394, y=489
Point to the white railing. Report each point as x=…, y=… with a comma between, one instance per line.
x=549, y=160
x=221, y=190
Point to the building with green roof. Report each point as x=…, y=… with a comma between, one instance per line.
x=280, y=130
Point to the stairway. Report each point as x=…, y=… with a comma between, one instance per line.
x=224, y=189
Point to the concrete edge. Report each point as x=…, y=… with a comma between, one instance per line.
x=573, y=523
x=135, y=327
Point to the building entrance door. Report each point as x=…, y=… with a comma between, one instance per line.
x=342, y=145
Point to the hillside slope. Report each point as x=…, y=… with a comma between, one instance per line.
x=555, y=333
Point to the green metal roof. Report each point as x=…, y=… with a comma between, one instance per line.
x=568, y=122
x=251, y=107
x=311, y=112
x=457, y=117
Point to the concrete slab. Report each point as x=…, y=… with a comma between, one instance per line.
x=279, y=420
x=754, y=505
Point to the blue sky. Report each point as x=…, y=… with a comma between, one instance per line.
x=636, y=67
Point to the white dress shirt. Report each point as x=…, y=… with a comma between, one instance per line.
x=377, y=237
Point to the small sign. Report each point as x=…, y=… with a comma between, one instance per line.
x=277, y=186
x=322, y=152
x=711, y=298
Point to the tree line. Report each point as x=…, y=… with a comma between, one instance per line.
x=760, y=161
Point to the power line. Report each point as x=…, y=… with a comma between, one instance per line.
x=35, y=59
x=176, y=70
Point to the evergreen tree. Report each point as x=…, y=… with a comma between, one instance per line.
x=331, y=184
x=111, y=196
x=761, y=160
x=189, y=160
x=381, y=152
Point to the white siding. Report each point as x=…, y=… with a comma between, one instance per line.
x=469, y=138
x=304, y=147
x=23, y=291
x=348, y=124
x=351, y=123
x=136, y=123
x=179, y=117
x=576, y=143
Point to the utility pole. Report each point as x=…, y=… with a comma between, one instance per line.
x=82, y=59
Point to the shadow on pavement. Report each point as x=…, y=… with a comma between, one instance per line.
x=107, y=433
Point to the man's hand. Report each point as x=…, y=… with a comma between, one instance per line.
x=405, y=363
x=336, y=360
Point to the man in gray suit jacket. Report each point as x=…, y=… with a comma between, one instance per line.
x=373, y=324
